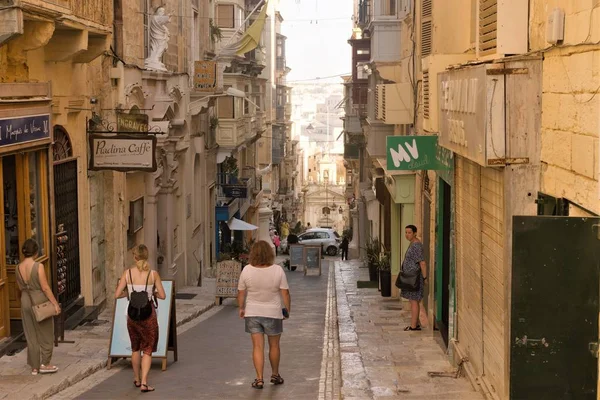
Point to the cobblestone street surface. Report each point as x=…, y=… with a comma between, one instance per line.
x=215, y=355
x=378, y=359
x=87, y=355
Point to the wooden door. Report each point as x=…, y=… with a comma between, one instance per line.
x=554, y=310
x=25, y=184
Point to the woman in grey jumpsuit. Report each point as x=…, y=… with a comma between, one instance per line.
x=31, y=278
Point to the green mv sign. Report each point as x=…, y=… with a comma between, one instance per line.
x=410, y=153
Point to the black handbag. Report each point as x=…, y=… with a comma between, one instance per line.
x=409, y=281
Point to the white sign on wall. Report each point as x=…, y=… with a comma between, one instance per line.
x=471, y=105
x=122, y=153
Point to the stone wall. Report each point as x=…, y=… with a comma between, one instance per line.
x=570, y=101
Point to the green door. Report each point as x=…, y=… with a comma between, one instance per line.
x=554, y=311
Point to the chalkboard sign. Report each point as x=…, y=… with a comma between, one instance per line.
x=296, y=255
x=120, y=345
x=228, y=275
x=312, y=258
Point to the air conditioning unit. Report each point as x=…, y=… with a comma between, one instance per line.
x=432, y=66
x=502, y=28
x=395, y=104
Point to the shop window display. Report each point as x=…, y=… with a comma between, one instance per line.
x=11, y=222
x=34, y=201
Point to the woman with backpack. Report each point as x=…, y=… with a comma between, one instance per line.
x=143, y=287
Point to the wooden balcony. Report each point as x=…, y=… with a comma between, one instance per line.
x=231, y=132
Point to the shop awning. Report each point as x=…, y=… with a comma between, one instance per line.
x=239, y=225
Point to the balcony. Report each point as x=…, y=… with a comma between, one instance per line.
x=280, y=64
x=287, y=112
x=351, y=151
x=376, y=133
x=280, y=113
x=231, y=188
x=231, y=132
x=259, y=122
x=356, y=103
x=278, y=149
x=385, y=30
x=259, y=56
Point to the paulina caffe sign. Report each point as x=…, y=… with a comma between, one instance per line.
x=133, y=151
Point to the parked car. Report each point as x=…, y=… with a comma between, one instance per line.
x=329, y=238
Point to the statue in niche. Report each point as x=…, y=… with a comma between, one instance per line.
x=159, y=40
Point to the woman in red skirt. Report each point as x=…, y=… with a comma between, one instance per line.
x=142, y=333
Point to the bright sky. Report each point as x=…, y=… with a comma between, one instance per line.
x=317, y=32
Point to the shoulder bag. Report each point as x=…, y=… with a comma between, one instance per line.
x=41, y=311
x=409, y=281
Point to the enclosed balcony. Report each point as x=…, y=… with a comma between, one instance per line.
x=384, y=29
x=231, y=132
x=278, y=149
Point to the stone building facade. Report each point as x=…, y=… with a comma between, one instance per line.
x=53, y=71
x=510, y=91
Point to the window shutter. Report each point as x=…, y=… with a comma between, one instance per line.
x=225, y=18
x=376, y=102
x=426, y=27
x=488, y=26
x=382, y=98
x=426, y=94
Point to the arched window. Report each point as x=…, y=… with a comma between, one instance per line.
x=61, y=148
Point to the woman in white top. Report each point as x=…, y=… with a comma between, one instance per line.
x=143, y=334
x=261, y=288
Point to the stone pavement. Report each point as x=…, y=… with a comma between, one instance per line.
x=215, y=356
x=378, y=359
x=89, y=352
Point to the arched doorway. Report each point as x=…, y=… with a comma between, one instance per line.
x=67, y=219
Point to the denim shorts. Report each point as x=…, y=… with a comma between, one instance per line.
x=268, y=326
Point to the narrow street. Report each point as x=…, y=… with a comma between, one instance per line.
x=215, y=355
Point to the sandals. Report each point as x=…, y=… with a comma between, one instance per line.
x=137, y=383
x=277, y=379
x=48, y=369
x=258, y=384
x=148, y=388
x=410, y=328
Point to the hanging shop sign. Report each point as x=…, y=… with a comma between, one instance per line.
x=16, y=130
x=205, y=76
x=235, y=191
x=134, y=123
x=122, y=153
x=471, y=110
x=411, y=153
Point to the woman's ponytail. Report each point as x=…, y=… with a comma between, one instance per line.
x=141, y=257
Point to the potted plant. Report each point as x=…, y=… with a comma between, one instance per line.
x=372, y=250
x=384, y=267
x=215, y=32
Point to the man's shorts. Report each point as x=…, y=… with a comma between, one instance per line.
x=268, y=326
